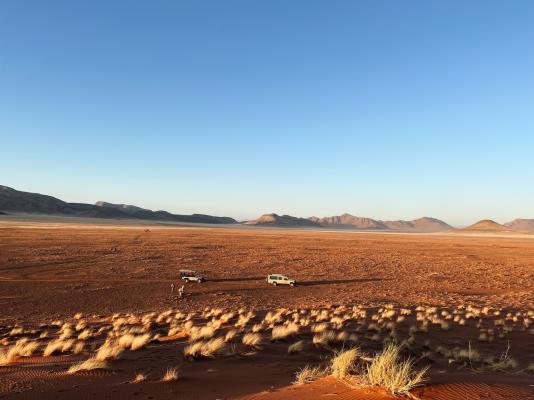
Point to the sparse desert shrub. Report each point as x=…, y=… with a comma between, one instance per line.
x=58, y=346
x=308, y=374
x=344, y=362
x=109, y=351
x=174, y=330
x=85, y=334
x=318, y=328
x=252, y=340
x=230, y=335
x=140, y=377
x=243, y=320
x=503, y=365
x=226, y=317
x=87, y=365
x=202, y=333
x=78, y=348
x=18, y=330
x=207, y=348
x=193, y=350
x=171, y=375
x=140, y=341
x=296, y=347
x=342, y=336
x=258, y=327
x=22, y=348
x=213, y=347
x=325, y=338
x=389, y=371
x=373, y=327
x=80, y=325
x=375, y=337
x=126, y=341
x=337, y=322
x=443, y=351
x=282, y=332
x=467, y=356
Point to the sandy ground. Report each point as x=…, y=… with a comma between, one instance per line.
x=52, y=271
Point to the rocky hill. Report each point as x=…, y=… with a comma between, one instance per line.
x=282, y=221
x=16, y=201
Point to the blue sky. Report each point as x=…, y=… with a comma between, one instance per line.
x=382, y=109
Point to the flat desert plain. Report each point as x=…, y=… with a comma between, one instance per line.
x=87, y=311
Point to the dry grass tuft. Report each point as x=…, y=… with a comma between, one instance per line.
x=140, y=377
x=230, y=335
x=85, y=334
x=78, y=348
x=282, y=332
x=109, y=351
x=140, y=341
x=308, y=374
x=296, y=347
x=344, y=363
x=388, y=371
x=203, y=333
x=208, y=348
x=252, y=340
x=171, y=375
x=22, y=348
x=325, y=338
x=87, y=365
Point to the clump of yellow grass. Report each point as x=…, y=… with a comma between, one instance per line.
x=252, y=340
x=22, y=348
x=390, y=372
x=308, y=374
x=344, y=363
x=282, y=332
x=171, y=375
x=87, y=365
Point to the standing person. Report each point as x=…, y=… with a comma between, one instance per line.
x=172, y=288
x=181, y=291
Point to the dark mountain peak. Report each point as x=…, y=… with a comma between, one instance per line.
x=25, y=202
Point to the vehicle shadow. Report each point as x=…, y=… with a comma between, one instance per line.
x=340, y=281
x=237, y=279
x=301, y=283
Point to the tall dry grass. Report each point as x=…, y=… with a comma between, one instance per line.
x=390, y=372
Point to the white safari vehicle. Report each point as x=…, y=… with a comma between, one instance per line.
x=191, y=276
x=276, y=279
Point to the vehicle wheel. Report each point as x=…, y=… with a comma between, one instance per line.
x=275, y=284
x=292, y=284
x=186, y=280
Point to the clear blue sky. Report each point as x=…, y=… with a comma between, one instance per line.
x=383, y=109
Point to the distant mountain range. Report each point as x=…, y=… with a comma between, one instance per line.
x=282, y=221
x=12, y=200
x=516, y=226
x=348, y=221
x=519, y=224
x=15, y=201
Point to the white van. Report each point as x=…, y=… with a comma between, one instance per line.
x=276, y=279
